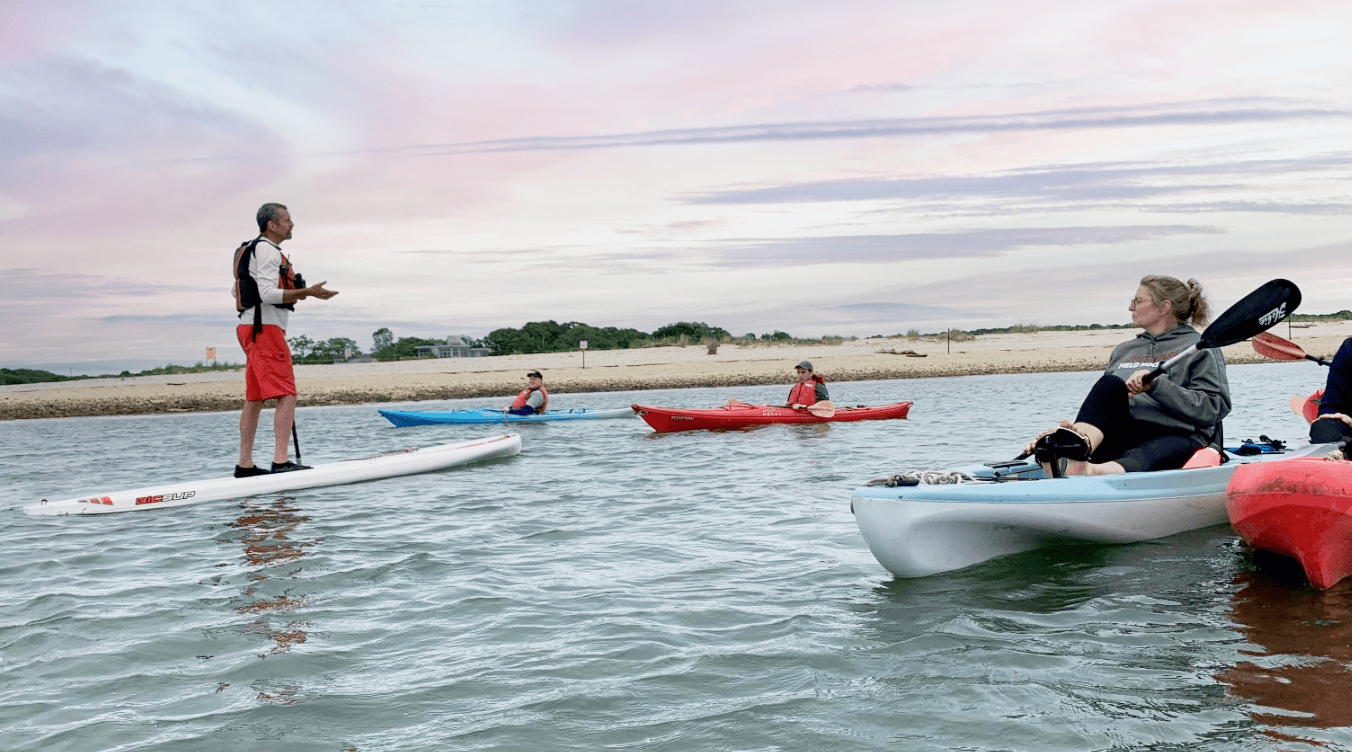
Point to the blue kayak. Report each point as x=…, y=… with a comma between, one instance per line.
x=489, y=415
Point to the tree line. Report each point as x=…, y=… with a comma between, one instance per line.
x=550, y=336
x=534, y=337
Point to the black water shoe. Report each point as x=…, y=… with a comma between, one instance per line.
x=287, y=467
x=1063, y=443
x=249, y=472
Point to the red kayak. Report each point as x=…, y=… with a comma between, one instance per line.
x=741, y=415
x=1300, y=508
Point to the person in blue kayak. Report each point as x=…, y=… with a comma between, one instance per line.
x=1127, y=424
x=532, y=400
x=810, y=389
x=1335, y=406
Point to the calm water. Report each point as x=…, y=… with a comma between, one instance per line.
x=611, y=588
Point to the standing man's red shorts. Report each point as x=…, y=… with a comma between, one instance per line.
x=267, y=366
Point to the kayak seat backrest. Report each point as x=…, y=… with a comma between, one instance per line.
x=1204, y=457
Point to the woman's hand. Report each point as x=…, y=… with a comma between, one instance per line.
x=1338, y=416
x=1136, y=383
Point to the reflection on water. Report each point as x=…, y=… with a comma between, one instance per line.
x=273, y=550
x=1043, y=582
x=1299, y=674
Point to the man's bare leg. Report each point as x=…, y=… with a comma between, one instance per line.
x=281, y=426
x=248, y=426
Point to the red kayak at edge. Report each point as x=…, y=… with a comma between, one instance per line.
x=741, y=415
x=1307, y=407
x=1301, y=508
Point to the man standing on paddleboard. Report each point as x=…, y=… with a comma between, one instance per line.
x=266, y=290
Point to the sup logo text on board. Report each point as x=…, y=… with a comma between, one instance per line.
x=165, y=497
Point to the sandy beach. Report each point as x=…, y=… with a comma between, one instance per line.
x=616, y=370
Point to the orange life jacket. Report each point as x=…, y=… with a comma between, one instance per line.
x=805, y=393
x=524, y=395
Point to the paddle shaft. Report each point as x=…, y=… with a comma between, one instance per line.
x=1162, y=367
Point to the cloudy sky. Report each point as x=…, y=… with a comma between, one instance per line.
x=855, y=167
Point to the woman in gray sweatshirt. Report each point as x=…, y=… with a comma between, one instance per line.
x=1128, y=425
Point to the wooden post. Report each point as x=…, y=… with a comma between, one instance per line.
x=583, y=344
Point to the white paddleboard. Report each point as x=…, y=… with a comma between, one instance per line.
x=389, y=464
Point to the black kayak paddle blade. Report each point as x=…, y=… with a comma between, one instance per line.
x=1255, y=313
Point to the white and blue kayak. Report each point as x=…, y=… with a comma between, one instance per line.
x=386, y=465
x=489, y=415
x=1009, y=507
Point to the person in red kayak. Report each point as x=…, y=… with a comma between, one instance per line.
x=1127, y=424
x=532, y=400
x=810, y=389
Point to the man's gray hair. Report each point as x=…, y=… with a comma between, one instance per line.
x=268, y=213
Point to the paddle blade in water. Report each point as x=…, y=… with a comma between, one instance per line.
x=1257, y=312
